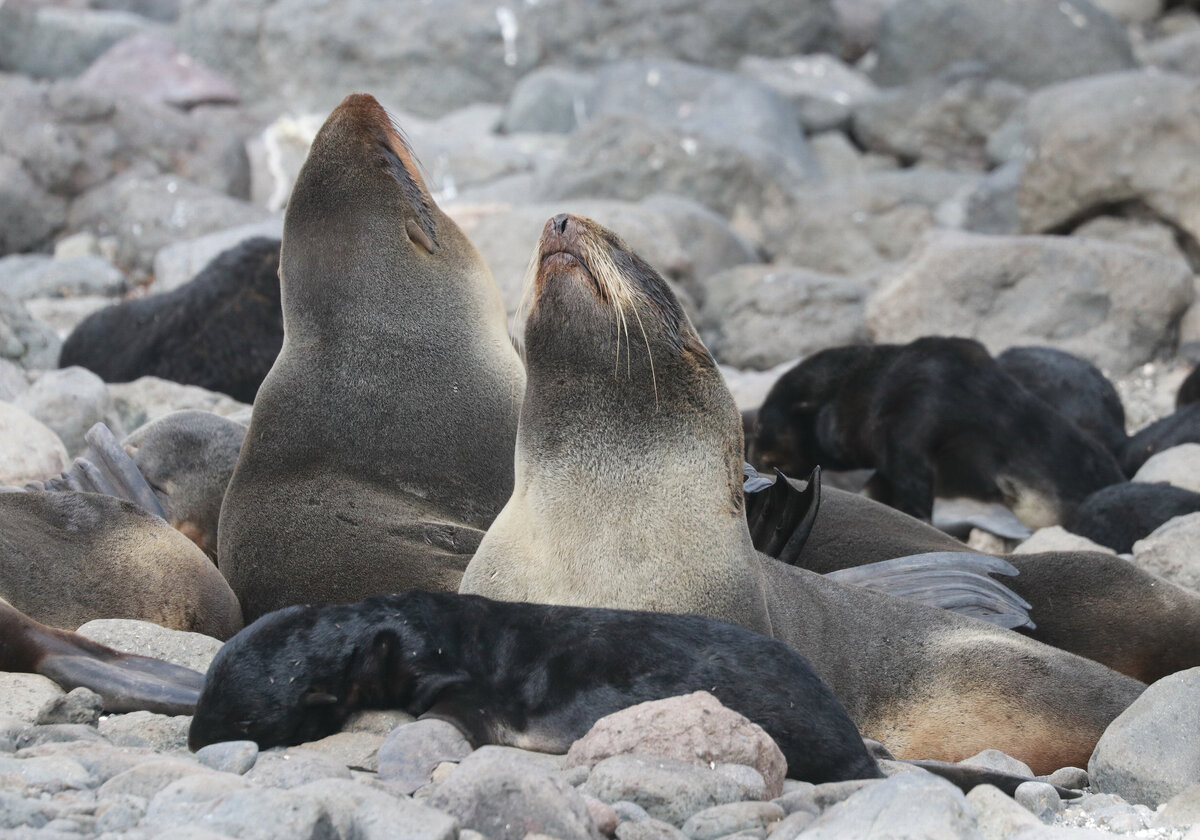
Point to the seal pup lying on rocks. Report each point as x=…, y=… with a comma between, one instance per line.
x=629, y=495
x=380, y=445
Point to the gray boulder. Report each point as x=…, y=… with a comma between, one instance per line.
x=229, y=756
x=1124, y=137
x=358, y=811
x=50, y=42
x=293, y=767
x=70, y=401
x=24, y=340
x=906, y=805
x=1172, y=551
x=1179, y=465
x=29, y=215
x=162, y=733
x=695, y=727
x=1151, y=752
x=151, y=68
x=761, y=316
x=38, y=276
x=147, y=778
x=549, y=99
x=250, y=814
x=431, y=59
x=851, y=226
x=997, y=815
x=1033, y=44
x=29, y=450
x=145, y=638
x=410, y=754
x=1177, y=54
x=146, y=213
x=179, y=262
x=22, y=696
x=1058, y=538
x=668, y=789
x=734, y=818
x=79, y=705
x=506, y=796
x=1115, y=305
x=1144, y=233
x=943, y=122
x=142, y=400
x=823, y=89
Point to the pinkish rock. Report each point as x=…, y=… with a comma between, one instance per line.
x=694, y=728
x=150, y=67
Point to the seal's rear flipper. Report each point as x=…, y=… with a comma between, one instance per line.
x=958, y=516
x=967, y=777
x=779, y=515
x=128, y=683
x=951, y=580
x=109, y=471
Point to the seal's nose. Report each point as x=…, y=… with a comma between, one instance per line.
x=559, y=222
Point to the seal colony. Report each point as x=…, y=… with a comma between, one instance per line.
x=628, y=495
x=394, y=329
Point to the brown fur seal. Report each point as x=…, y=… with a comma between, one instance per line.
x=1092, y=604
x=126, y=682
x=380, y=445
x=67, y=558
x=628, y=494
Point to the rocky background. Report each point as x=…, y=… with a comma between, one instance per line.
x=806, y=174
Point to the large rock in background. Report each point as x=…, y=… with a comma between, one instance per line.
x=150, y=67
x=25, y=340
x=1093, y=143
x=29, y=214
x=822, y=89
x=1031, y=43
x=1115, y=305
x=432, y=58
x=45, y=41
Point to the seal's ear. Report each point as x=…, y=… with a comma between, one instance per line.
x=317, y=698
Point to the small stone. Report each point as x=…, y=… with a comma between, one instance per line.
x=119, y=814
x=748, y=779
x=629, y=811
x=790, y=826
x=668, y=789
x=575, y=776
x=649, y=829
x=189, y=799
x=145, y=638
x=411, y=752
x=294, y=767
x=603, y=815
x=1000, y=762
x=1180, y=811
x=1041, y=799
x=733, y=818
x=816, y=799
x=146, y=729
x=49, y=774
x=1072, y=778
x=148, y=778
x=23, y=696
x=229, y=756
x=80, y=705
x=1058, y=538
x=29, y=451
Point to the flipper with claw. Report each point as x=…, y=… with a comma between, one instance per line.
x=953, y=580
x=780, y=515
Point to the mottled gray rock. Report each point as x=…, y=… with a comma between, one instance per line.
x=906, y=805
x=79, y=705
x=355, y=750
x=1073, y=778
x=816, y=798
x=603, y=815
x=999, y=761
x=22, y=696
x=1172, y=551
x=119, y=814
x=432, y=59
x=823, y=89
x=48, y=774
x=29, y=451
x=1114, y=814
x=1040, y=799
x=628, y=157
x=847, y=227
x=29, y=215
x=163, y=733
x=13, y=381
x=628, y=811
x=1179, y=465
x=253, y=814
x=149, y=398
x=358, y=811
x=25, y=276
x=17, y=811
x=549, y=99
x=63, y=736
x=760, y=316
x=190, y=798
x=56, y=43
x=997, y=815
x=294, y=767
x=150, y=67
x=736, y=817
x=649, y=829
x=506, y=796
x=180, y=261
x=229, y=756
x=100, y=758
x=669, y=789
x=146, y=213
x=695, y=727
x=148, y=778
x=1177, y=54
x=1058, y=538
x=752, y=783
x=990, y=206
x=63, y=315
x=1151, y=752
x=1112, y=304
x=838, y=158
x=942, y=122
x=791, y=826
x=145, y=638
x=1031, y=43
x=27, y=342
x=1144, y=233
x=70, y=401
x=410, y=754
x=1093, y=143
x=1182, y=809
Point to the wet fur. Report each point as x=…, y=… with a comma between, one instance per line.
x=626, y=496
x=221, y=331
x=934, y=417
x=380, y=445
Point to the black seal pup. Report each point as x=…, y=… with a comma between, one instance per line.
x=221, y=331
x=526, y=675
x=936, y=416
x=380, y=446
x=1179, y=427
x=629, y=495
x=1120, y=515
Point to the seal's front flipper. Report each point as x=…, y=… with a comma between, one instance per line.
x=967, y=777
x=780, y=515
x=128, y=683
x=952, y=580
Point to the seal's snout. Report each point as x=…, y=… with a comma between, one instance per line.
x=559, y=223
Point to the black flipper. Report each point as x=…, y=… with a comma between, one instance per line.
x=966, y=777
x=780, y=515
x=953, y=580
x=109, y=471
x=959, y=515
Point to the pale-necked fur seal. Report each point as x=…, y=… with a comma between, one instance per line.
x=628, y=494
x=380, y=445
x=933, y=417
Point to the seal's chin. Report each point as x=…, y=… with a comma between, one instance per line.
x=565, y=266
